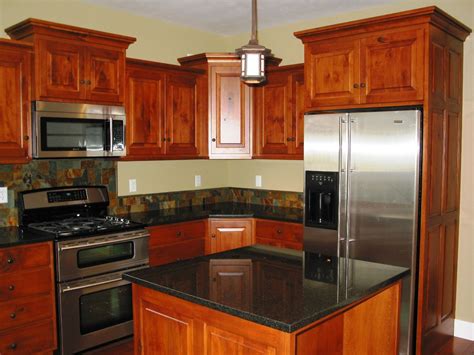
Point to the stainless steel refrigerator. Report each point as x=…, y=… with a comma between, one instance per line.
x=362, y=190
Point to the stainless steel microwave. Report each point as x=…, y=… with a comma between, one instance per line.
x=67, y=130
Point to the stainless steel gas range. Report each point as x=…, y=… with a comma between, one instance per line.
x=92, y=250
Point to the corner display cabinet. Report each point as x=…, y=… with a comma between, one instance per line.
x=74, y=64
x=404, y=59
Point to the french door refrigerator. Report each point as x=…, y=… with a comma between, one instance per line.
x=362, y=190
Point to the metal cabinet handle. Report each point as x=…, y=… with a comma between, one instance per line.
x=13, y=315
x=178, y=234
x=168, y=139
x=164, y=139
x=382, y=39
x=288, y=139
x=213, y=139
x=82, y=81
x=10, y=260
x=11, y=287
x=362, y=85
x=26, y=138
x=279, y=231
x=213, y=236
x=12, y=346
x=356, y=86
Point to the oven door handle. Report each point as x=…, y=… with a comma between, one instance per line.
x=74, y=288
x=105, y=242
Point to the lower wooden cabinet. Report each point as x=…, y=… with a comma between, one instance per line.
x=178, y=241
x=27, y=300
x=279, y=234
x=229, y=233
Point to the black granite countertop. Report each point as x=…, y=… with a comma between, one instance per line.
x=283, y=289
x=220, y=210
x=13, y=236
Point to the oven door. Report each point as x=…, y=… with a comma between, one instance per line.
x=57, y=135
x=86, y=257
x=94, y=311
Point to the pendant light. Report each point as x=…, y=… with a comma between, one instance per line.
x=252, y=55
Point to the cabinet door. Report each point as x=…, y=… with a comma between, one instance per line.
x=145, y=114
x=298, y=114
x=230, y=113
x=332, y=73
x=182, y=121
x=229, y=234
x=105, y=80
x=231, y=282
x=60, y=69
x=392, y=66
x=273, y=117
x=14, y=105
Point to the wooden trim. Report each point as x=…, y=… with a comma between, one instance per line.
x=202, y=58
x=130, y=62
x=15, y=43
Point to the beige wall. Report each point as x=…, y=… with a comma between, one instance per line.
x=156, y=40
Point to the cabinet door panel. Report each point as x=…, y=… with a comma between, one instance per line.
x=105, y=68
x=14, y=105
x=273, y=115
x=230, y=234
x=392, y=66
x=298, y=113
x=220, y=341
x=145, y=116
x=182, y=125
x=230, y=113
x=332, y=74
x=61, y=69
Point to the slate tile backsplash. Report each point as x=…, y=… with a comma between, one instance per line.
x=73, y=172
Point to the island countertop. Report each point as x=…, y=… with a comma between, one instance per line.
x=279, y=288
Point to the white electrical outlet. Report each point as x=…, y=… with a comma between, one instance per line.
x=197, y=180
x=258, y=180
x=3, y=195
x=132, y=185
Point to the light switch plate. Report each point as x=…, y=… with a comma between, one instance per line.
x=197, y=180
x=3, y=195
x=258, y=180
x=132, y=185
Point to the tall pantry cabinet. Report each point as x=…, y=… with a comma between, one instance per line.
x=412, y=58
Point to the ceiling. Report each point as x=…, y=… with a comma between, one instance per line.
x=227, y=17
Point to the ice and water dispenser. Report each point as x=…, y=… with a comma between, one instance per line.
x=321, y=205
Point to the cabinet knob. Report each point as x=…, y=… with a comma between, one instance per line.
x=11, y=287
x=356, y=86
x=213, y=236
x=288, y=139
x=178, y=234
x=382, y=39
x=213, y=139
x=88, y=82
x=13, y=315
x=10, y=260
x=26, y=138
x=362, y=85
x=82, y=81
x=279, y=231
x=214, y=279
x=12, y=346
x=168, y=139
x=164, y=139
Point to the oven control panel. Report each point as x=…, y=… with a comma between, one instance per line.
x=67, y=195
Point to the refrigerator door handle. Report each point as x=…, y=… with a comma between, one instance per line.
x=342, y=200
x=348, y=186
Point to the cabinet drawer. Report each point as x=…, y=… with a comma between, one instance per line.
x=29, y=339
x=25, y=257
x=177, y=251
x=175, y=233
x=23, y=284
x=291, y=232
x=15, y=313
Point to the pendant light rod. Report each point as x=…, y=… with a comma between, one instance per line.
x=254, y=39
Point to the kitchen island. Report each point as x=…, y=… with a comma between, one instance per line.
x=264, y=300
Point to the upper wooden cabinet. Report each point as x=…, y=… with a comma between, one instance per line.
x=228, y=104
x=164, y=117
x=15, y=62
x=371, y=67
x=74, y=64
x=279, y=113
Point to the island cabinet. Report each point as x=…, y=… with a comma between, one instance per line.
x=408, y=58
x=164, y=112
x=179, y=241
x=279, y=234
x=279, y=114
x=230, y=233
x=15, y=81
x=168, y=325
x=74, y=64
x=27, y=301
x=229, y=103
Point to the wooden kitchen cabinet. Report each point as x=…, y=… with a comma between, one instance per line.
x=15, y=81
x=164, y=114
x=279, y=114
x=74, y=64
x=27, y=300
x=178, y=241
x=379, y=67
x=228, y=103
x=229, y=233
x=279, y=234
x=408, y=58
